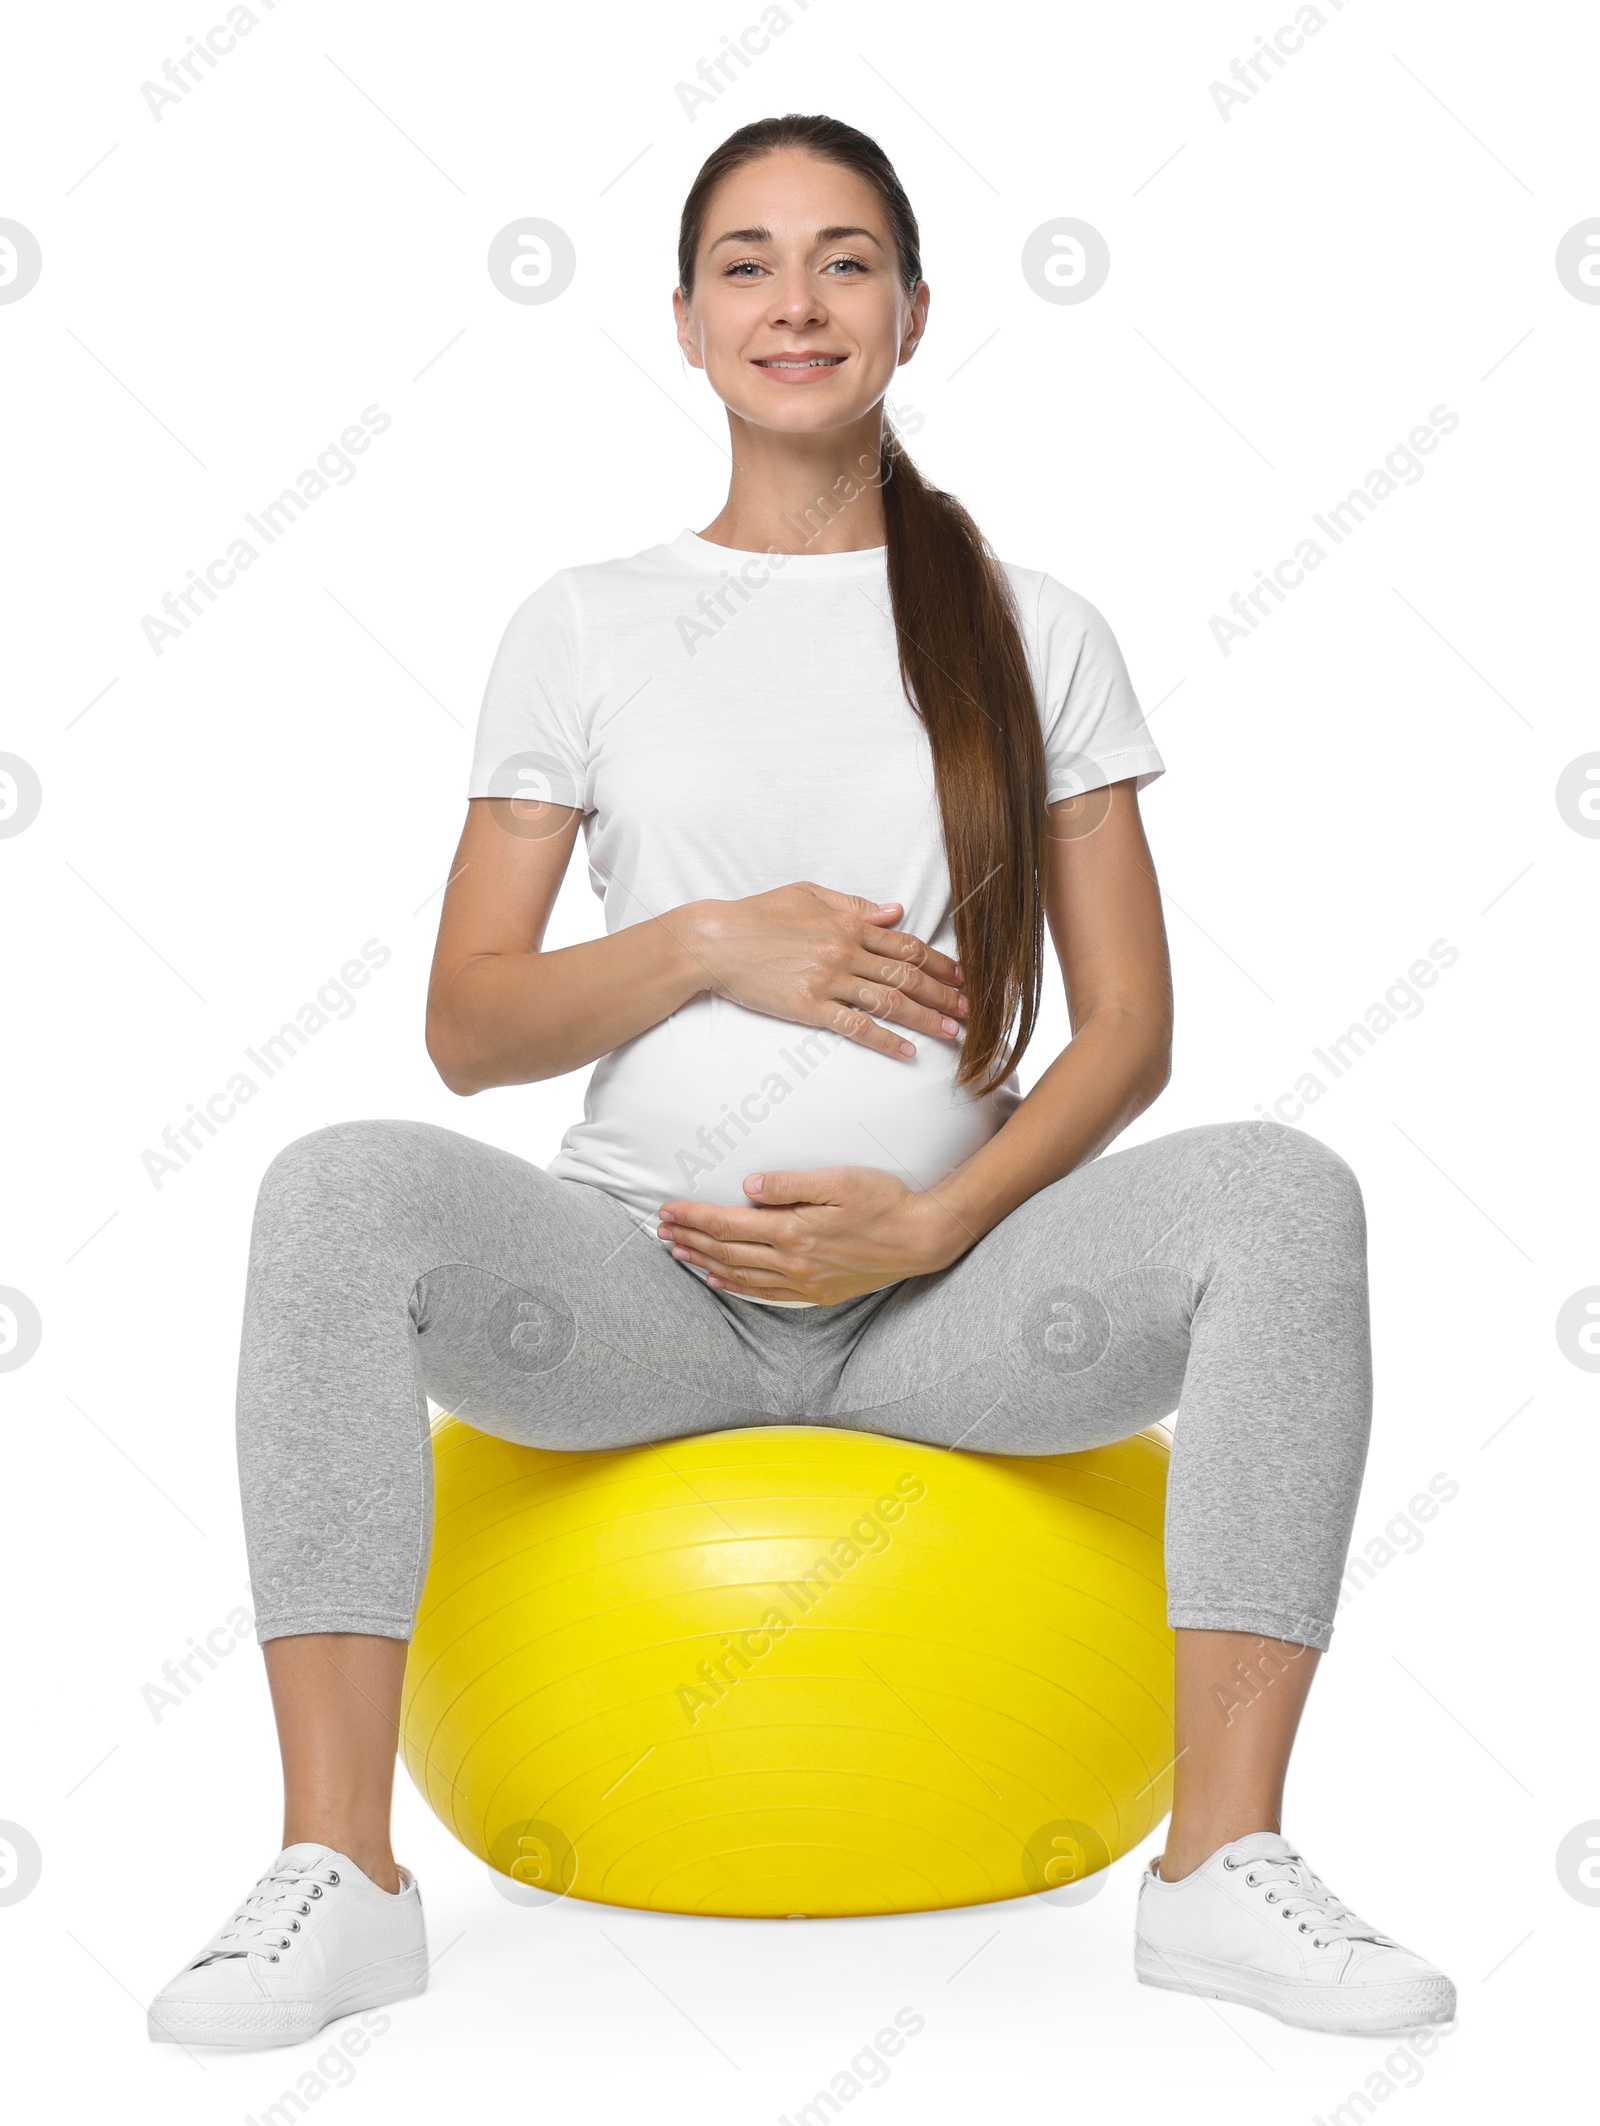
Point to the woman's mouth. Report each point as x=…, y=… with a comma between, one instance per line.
x=798, y=368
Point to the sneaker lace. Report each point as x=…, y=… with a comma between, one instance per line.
x=270, y=1916
x=1327, y=1918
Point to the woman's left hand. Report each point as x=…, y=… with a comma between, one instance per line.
x=826, y=1235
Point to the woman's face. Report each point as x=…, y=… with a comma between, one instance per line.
x=799, y=315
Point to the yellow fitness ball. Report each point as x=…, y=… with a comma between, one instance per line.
x=789, y=1669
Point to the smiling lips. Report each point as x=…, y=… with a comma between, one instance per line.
x=802, y=368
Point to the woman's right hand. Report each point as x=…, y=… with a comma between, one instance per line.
x=820, y=958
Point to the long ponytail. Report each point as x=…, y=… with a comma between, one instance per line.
x=962, y=660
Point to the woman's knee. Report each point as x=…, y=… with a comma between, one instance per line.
x=1285, y=1176
x=340, y=1163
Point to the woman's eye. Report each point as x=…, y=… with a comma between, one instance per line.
x=748, y=268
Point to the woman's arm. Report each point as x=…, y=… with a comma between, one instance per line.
x=828, y=1235
x=1104, y=910
x=501, y=1011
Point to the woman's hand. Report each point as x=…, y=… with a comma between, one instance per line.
x=825, y=1235
x=820, y=958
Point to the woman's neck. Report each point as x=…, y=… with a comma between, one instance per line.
x=803, y=494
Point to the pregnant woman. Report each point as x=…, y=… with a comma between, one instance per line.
x=839, y=772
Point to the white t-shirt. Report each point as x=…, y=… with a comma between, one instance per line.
x=730, y=722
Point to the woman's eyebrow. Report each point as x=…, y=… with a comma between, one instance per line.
x=764, y=236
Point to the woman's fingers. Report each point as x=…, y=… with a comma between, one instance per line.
x=863, y=1005
x=914, y=954
x=909, y=984
x=724, y=1258
x=864, y=1030
x=905, y=995
x=752, y=1281
x=921, y=987
x=724, y=1255
x=889, y=1001
x=854, y=903
x=900, y=944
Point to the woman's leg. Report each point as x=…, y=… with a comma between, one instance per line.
x=391, y=1261
x=336, y=1698
x=1233, y=1747
x=1220, y=1271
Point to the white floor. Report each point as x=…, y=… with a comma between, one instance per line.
x=1026, y=2008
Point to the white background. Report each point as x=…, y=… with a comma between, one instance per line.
x=1372, y=234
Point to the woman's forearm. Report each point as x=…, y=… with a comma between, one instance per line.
x=1113, y=1068
x=509, y=1013
x=512, y=1018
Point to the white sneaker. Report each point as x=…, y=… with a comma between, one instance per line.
x=1253, y=1924
x=315, y=1939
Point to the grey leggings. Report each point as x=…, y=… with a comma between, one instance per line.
x=1219, y=1271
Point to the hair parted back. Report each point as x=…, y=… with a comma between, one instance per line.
x=962, y=660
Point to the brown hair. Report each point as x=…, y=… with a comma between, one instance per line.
x=962, y=661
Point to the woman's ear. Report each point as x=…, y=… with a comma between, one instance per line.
x=680, y=311
x=916, y=323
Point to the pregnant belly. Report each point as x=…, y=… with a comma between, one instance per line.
x=717, y=1092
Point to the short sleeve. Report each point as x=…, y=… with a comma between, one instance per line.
x=530, y=740
x=1094, y=729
